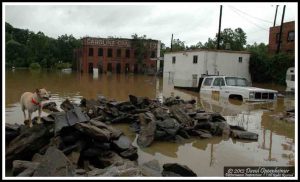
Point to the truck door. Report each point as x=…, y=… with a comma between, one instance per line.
x=206, y=86
x=217, y=88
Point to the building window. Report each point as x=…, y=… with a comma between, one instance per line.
x=291, y=36
x=127, y=53
x=109, y=53
x=240, y=59
x=118, y=52
x=152, y=54
x=100, y=52
x=91, y=51
x=173, y=60
x=195, y=59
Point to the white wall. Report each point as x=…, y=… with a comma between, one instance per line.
x=224, y=63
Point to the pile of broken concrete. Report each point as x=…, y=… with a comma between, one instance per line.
x=81, y=141
x=288, y=116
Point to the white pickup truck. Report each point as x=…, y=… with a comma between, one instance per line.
x=235, y=87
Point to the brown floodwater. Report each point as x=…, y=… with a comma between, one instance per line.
x=206, y=157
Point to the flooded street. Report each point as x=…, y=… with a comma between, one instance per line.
x=206, y=157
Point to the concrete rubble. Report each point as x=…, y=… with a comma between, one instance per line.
x=81, y=139
x=287, y=116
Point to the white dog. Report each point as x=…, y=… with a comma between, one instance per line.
x=32, y=102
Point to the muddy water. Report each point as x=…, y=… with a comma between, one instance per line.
x=207, y=157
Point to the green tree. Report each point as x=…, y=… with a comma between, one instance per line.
x=139, y=44
x=199, y=45
x=279, y=65
x=35, y=66
x=24, y=47
x=15, y=54
x=258, y=48
x=239, y=39
x=66, y=44
x=265, y=67
x=210, y=44
x=8, y=28
x=236, y=39
x=178, y=45
x=20, y=35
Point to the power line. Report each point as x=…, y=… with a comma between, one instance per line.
x=249, y=20
x=250, y=15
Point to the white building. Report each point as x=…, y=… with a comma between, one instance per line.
x=186, y=67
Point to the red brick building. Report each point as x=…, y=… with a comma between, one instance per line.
x=114, y=55
x=287, y=38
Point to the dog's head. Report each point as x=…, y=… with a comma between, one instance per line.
x=43, y=94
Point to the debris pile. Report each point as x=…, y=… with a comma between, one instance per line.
x=288, y=116
x=81, y=139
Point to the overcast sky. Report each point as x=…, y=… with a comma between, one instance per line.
x=189, y=22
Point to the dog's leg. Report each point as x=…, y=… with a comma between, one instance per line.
x=23, y=109
x=29, y=119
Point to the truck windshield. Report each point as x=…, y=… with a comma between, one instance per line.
x=233, y=81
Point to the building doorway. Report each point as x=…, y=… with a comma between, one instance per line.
x=100, y=68
x=91, y=67
x=144, y=68
x=135, y=70
x=127, y=68
x=109, y=67
x=118, y=69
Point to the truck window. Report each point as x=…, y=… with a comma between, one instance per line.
x=216, y=82
x=219, y=82
x=207, y=81
x=222, y=82
x=234, y=81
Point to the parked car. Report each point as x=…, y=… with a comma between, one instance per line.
x=235, y=87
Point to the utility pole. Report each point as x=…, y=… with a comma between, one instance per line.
x=172, y=43
x=275, y=15
x=280, y=32
x=220, y=19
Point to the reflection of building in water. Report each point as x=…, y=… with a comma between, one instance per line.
x=280, y=128
x=269, y=148
x=202, y=144
x=289, y=148
x=165, y=148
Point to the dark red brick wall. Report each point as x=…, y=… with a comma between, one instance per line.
x=286, y=46
x=114, y=60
